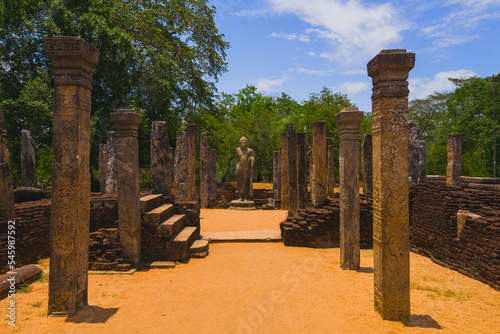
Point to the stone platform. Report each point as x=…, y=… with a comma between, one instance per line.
x=238, y=204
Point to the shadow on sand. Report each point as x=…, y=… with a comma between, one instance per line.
x=92, y=315
x=366, y=270
x=422, y=321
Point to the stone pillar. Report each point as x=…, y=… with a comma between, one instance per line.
x=319, y=171
x=422, y=166
x=413, y=153
x=160, y=156
x=111, y=163
x=6, y=184
x=180, y=169
x=366, y=163
x=212, y=174
x=330, y=189
x=191, y=162
x=285, y=200
x=454, y=169
x=291, y=140
x=205, y=155
x=72, y=59
x=102, y=167
x=389, y=71
x=302, y=195
x=28, y=164
x=349, y=121
x=126, y=123
x=170, y=168
x=276, y=175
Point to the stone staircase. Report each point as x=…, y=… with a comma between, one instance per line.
x=168, y=235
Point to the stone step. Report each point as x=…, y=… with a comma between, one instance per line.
x=178, y=248
x=199, y=249
x=157, y=216
x=171, y=226
x=150, y=202
x=158, y=265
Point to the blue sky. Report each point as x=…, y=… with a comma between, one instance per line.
x=300, y=46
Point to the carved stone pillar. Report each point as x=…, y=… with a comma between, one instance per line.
x=205, y=157
x=111, y=163
x=319, y=172
x=180, y=169
x=285, y=200
x=28, y=164
x=6, y=185
x=291, y=140
x=102, y=167
x=212, y=175
x=454, y=168
x=302, y=198
x=126, y=123
x=413, y=153
x=366, y=163
x=349, y=121
x=191, y=162
x=160, y=157
x=73, y=60
x=331, y=172
x=389, y=71
x=277, y=174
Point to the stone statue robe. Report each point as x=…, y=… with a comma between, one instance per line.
x=244, y=172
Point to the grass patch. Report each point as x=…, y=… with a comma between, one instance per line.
x=434, y=292
x=25, y=287
x=37, y=304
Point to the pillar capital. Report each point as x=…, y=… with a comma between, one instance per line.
x=349, y=121
x=126, y=122
x=389, y=70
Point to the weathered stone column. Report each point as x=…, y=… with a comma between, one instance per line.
x=205, y=155
x=276, y=175
x=6, y=184
x=180, y=169
x=191, y=162
x=349, y=121
x=319, y=171
x=160, y=157
x=389, y=71
x=291, y=140
x=302, y=198
x=331, y=172
x=285, y=200
x=28, y=164
x=413, y=153
x=170, y=168
x=102, y=167
x=366, y=163
x=422, y=165
x=212, y=175
x=111, y=163
x=454, y=169
x=126, y=123
x=72, y=59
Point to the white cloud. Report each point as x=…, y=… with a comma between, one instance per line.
x=422, y=87
x=311, y=54
x=269, y=85
x=292, y=37
x=356, y=72
x=354, y=87
x=355, y=30
x=319, y=73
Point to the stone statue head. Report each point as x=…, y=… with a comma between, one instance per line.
x=243, y=142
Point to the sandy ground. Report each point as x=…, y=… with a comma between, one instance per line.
x=263, y=288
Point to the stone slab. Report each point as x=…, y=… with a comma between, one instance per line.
x=199, y=249
x=171, y=227
x=244, y=236
x=159, y=215
x=150, y=202
x=178, y=249
x=159, y=265
x=112, y=272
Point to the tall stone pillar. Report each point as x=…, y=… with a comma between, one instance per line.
x=205, y=157
x=170, y=168
x=291, y=140
x=389, y=71
x=454, y=169
x=126, y=123
x=160, y=156
x=111, y=163
x=319, y=171
x=28, y=164
x=330, y=189
x=349, y=121
x=102, y=167
x=212, y=174
x=181, y=169
x=422, y=166
x=6, y=184
x=366, y=163
x=191, y=162
x=302, y=195
x=285, y=200
x=276, y=175
x=72, y=59
x=413, y=153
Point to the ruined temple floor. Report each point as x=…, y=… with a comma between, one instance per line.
x=263, y=288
